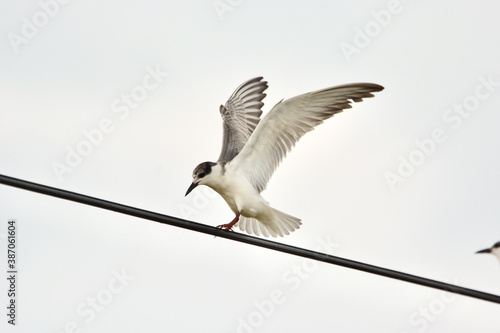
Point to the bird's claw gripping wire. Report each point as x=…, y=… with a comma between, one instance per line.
x=229, y=226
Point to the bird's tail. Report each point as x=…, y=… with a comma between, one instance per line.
x=280, y=225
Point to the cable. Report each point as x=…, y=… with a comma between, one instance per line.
x=170, y=220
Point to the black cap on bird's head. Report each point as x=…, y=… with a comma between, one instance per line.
x=202, y=170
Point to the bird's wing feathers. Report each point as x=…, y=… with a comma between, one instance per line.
x=287, y=122
x=240, y=116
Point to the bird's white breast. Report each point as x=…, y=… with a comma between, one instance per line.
x=238, y=192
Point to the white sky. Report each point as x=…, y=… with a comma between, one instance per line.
x=69, y=77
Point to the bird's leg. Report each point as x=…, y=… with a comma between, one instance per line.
x=229, y=226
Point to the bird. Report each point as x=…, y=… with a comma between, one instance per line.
x=253, y=148
x=495, y=250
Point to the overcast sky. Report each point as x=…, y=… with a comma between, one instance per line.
x=120, y=100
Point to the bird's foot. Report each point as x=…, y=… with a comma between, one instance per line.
x=229, y=226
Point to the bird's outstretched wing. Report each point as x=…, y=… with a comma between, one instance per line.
x=287, y=122
x=240, y=116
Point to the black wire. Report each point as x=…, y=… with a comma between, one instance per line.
x=148, y=215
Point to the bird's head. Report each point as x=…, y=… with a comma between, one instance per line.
x=201, y=175
x=495, y=250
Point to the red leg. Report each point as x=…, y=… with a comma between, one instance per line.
x=229, y=226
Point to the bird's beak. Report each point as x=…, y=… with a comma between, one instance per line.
x=484, y=251
x=191, y=187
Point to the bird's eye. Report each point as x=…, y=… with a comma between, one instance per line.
x=201, y=175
